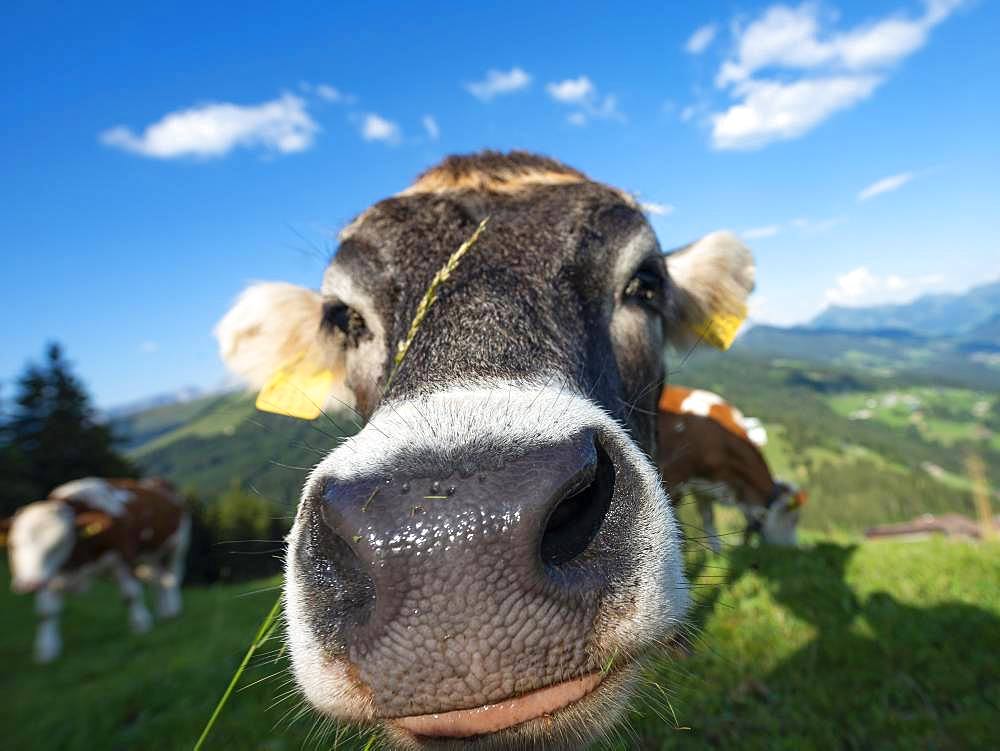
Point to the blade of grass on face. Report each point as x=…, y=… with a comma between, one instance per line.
x=269, y=623
x=263, y=634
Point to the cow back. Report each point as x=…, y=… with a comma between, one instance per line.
x=707, y=447
x=147, y=520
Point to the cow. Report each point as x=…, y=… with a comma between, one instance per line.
x=492, y=556
x=710, y=451
x=134, y=529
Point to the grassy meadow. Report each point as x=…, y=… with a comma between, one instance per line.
x=839, y=644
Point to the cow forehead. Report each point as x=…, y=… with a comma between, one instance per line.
x=493, y=174
x=539, y=202
x=538, y=278
x=42, y=519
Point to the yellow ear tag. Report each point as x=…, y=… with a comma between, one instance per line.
x=94, y=528
x=720, y=330
x=296, y=390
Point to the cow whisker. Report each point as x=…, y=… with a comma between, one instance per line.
x=294, y=713
x=241, y=689
x=337, y=440
x=240, y=542
x=698, y=341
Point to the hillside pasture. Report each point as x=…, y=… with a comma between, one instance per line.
x=859, y=472
x=837, y=644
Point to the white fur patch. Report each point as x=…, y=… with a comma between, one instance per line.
x=700, y=403
x=41, y=539
x=95, y=492
x=756, y=431
x=715, y=276
x=519, y=416
x=272, y=324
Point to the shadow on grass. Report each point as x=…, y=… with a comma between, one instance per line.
x=792, y=656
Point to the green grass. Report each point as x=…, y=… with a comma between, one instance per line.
x=839, y=645
x=834, y=645
x=945, y=416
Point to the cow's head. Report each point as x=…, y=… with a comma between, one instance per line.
x=491, y=555
x=40, y=539
x=778, y=522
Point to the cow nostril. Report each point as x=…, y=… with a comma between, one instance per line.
x=343, y=575
x=576, y=518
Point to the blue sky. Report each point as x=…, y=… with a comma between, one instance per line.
x=157, y=159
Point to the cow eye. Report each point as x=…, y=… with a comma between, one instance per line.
x=646, y=287
x=345, y=319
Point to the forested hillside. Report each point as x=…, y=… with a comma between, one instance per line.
x=902, y=456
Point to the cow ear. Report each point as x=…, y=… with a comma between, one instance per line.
x=712, y=278
x=90, y=523
x=272, y=338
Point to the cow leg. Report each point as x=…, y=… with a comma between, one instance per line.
x=706, y=507
x=751, y=514
x=48, y=641
x=168, y=600
x=139, y=618
x=171, y=574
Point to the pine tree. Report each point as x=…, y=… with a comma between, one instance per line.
x=15, y=486
x=53, y=435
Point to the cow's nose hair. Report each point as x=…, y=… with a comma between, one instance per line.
x=394, y=547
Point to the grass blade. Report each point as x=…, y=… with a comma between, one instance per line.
x=263, y=633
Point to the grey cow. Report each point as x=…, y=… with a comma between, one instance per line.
x=492, y=555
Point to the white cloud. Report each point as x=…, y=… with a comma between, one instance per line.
x=852, y=286
x=771, y=110
x=860, y=287
x=814, y=71
x=327, y=92
x=885, y=185
x=793, y=38
x=582, y=93
x=572, y=90
x=213, y=130
x=499, y=82
x=377, y=128
x=802, y=224
x=657, y=209
x=815, y=226
x=755, y=233
x=702, y=37
x=431, y=126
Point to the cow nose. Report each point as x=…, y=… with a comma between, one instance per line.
x=458, y=590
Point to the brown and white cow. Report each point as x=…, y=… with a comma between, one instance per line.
x=709, y=450
x=492, y=556
x=134, y=529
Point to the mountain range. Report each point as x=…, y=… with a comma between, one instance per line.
x=950, y=339
x=974, y=314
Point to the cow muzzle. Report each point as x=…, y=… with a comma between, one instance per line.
x=498, y=580
x=446, y=593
